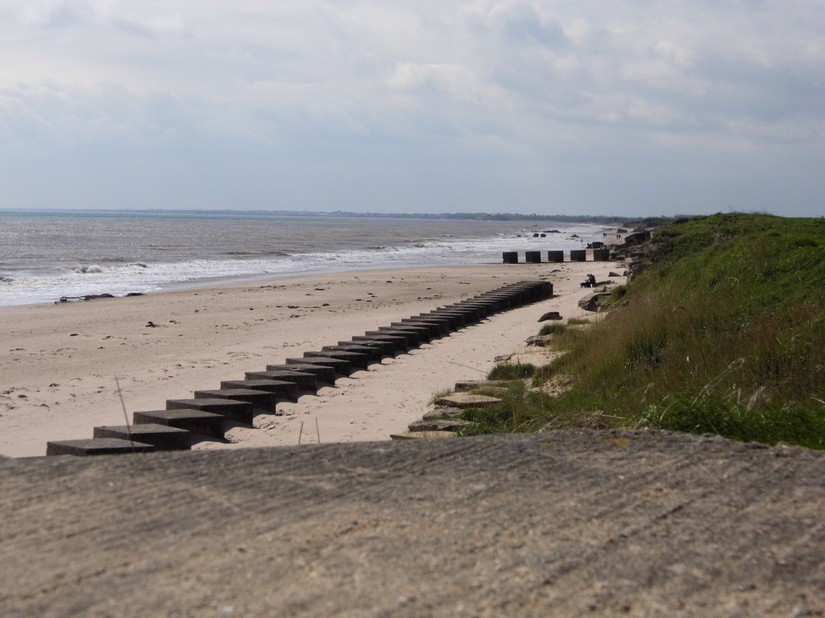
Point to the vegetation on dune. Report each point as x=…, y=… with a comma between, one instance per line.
x=723, y=333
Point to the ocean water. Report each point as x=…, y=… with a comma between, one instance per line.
x=48, y=255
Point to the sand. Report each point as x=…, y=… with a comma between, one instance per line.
x=60, y=364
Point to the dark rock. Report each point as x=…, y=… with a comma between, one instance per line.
x=550, y=315
x=540, y=341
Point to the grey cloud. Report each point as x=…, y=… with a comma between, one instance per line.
x=542, y=97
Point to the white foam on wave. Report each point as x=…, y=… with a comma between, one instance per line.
x=120, y=279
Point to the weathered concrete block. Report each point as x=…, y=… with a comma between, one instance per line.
x=260, y=399
x=357, y=359
x=510, y=257
x=279, y=390
x=434, y=329
x=455, y=319
x=483, y=307
x=304, y=381
x=342, y=367
x=387, y=348
x=323, y=374
x=468, y=385
x=578, y=255
x=162, y=437
x=440, y=425
x=422, y=435
x=197, y=422
x=459, y=316
x=96, y=446
x=422, y=330
x=443, y=412
x=467, y=400
x=414, y=338
x=398, y=342
x=373, y=354
x=601, y=255
x=532, y=257
x=240, y=411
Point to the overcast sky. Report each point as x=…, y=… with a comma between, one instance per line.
x=627, y=107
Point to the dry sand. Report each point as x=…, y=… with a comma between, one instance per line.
x=59, y=363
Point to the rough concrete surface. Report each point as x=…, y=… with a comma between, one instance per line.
x=555, y=524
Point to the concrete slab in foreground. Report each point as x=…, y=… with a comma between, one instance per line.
x=557, y=524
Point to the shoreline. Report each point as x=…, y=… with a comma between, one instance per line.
x=60, y=361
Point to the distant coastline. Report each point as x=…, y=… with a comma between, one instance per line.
x=468, y=216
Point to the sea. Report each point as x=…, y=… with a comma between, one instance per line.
x=46, y=256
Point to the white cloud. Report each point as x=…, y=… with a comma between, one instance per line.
x=531, y=94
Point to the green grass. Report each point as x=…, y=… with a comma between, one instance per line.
x=554, y=328
x=511, y=371
x=723, y=333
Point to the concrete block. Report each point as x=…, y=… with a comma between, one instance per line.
x=470, y=313
x=96, y=446
x=422, y=435
x=387, y=348
x=468, y=385
x=433, y=329
x=439, y=425
x=440, y=412
x=412, y=338
x=279, y=390
x=373, y=354
x=509, y=257
x=398, y=342
x=197, y=422
x=162, y=437
x=485, y=306
x=465, y=400
x=443, y=323
x=342, y=367
x=304, y=381
x=455, y=320
x=578, y=255
x=357, y=359
x=555, y=256
x=421, y=332
x=322, y=373
x=240, y=411
x=260, y=399
x=532, y=257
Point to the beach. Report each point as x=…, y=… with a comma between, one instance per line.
x=65, y=367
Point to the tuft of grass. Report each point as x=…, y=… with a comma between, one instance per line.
x=511, y=371
x=553, y=328
x=728, y=415
x=439, y=394
x=618, y=293
x=521, y=409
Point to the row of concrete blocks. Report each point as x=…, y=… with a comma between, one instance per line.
x=576, y=255
x=260, y=391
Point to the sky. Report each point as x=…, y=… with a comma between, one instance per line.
x=591, y=107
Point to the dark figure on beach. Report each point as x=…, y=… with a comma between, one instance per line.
x=589, y=282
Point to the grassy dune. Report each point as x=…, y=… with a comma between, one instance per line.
x=724, y=333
